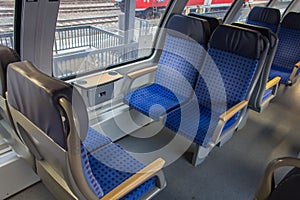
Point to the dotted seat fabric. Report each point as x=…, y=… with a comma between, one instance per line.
x=273, y=27
x=153, y=100
x=94, y=140
x=174, y=80
x=223, y=82
x=287, y=54
x=112, y=165
x=267, y=93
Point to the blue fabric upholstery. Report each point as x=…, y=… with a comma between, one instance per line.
x=94, y=140
x=153, y=100
x=111, y=166
x=287, y=54
x=90, y=178
x=266, y=94
x=264, y=16
x=273, y=27
x=223, y=82
x=174, y=81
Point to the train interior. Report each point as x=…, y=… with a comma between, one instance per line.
x=174, y=99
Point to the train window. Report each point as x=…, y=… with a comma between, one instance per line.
x=95, y=34
x=280, y=4
x=7, y=22
x=242, y=14
x=213, y=8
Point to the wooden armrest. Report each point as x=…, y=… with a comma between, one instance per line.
x=232, y=111
x=135, y=180
x=273, y=82
x=297, y=64
x=141, y=72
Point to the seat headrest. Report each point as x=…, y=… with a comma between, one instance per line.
x=196, y=29
x=291, y=21
x=7, y=56
x=213, y=21
x=268, y=33
x=265, y=14
x=241, y=41
x=36, y=95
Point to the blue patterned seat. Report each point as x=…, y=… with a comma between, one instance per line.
x=288, y=53
x=265, y=16
x=177, y=71
x=110, y=166
x=94, y=140
x=83, y=159
x=230, y=71
x=261, y=97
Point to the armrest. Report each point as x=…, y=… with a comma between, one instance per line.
x=141, y=72
x=135, y=180
x=265, y=187
x=273, y=82
x=232, y=111
x=297, y=64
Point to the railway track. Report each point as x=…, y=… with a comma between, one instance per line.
x=72, y=13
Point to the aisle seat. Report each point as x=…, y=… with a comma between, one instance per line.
x=265, y=17
x=265, y=89
x=54, y=125
x=177, y=69
x=286, y=62
x=230, y=72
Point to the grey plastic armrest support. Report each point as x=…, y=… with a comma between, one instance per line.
x=265, y=186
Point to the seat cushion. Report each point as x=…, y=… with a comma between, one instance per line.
x=195, y=123
x=153, y=100
x=266, y=94
x=276, y=71
x=112, y=165
x=94, y=140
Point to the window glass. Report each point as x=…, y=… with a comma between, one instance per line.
x=280, y=4
x=214, y=8
x=7, y=22
x=96, y=34
x=244, y=11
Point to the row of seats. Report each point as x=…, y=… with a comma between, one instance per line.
x=74, y=160
x=197, y=79
x=286, y=61
x=206, y=84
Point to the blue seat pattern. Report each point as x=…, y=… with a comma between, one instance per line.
x=174, y=81
x=89, y=176
x=236, y=74
x=95, y=140
x=266, y=94
x=273, y=27
x=112, y=165
x=153, y=100
x=287, y=54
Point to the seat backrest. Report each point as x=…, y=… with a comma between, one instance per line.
x=7, y=56
x=46, y=114
x=264, y=16
x=182, y=53
x=231, y=68
x=213, y=21
x=259, y=90
x=287, y=54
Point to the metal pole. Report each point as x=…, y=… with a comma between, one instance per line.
x=129, y=20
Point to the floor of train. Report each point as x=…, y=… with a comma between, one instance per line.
x=234, y=170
